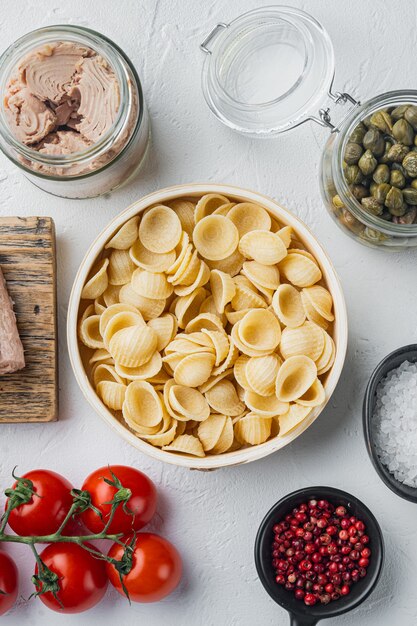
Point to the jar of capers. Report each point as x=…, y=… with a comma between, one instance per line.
x=369, y=172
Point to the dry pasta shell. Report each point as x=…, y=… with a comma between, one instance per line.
x=307, y=339
x=89, y=332
x=210, y=430
x=180, y=250
x=151, y=261
x=184, y=347
x=235, y=339
x=133, y=346
x=325, y=367
x=285, y=234
x=185, y=211
x=224, y=399
x=202, y=278
x=118, y=321
x=187, y=275
x=311, y=313
x=143, y=372
x=149, y=285
x=111, y=295
x=143, y=404
x=235, y=316
x=208, y=306
x=268, y=406
x=208, y=204
x=246, y=298
x=182, y=265
x=222, y=288
x=113, y=309
x=225, y=442
x=112, y=394
x=247, y=217
x=100, y=356
x=266, y=276
x=314, y=396
x=288, y=306
x=300, y=270
x=220, y=342
x=187, y=307
x=121, y=267
x=186, y=444
x=98, y=281
x=321, y=300
x=253, y=429
x=239, y=370
x=224, y=208
x=229, y=360
x=189, y=402
x=103, y=371
x=215, y=237
x=99, y=305
x=261, y=373
x=160, y=229
x=295, y=376
x=262, y=246
x=163, y=438
x=232, y=264
x=149, y=307
x=301, y=251
x=260, y=330
x=125, y=236
x=194, y=369
x=207, y=321
x=294, y=416
x=213, y=380
x=165, y=327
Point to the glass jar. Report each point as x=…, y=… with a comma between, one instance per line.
x=104, y=165
x=271, y=70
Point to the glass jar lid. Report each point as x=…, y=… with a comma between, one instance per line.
x=267, y=71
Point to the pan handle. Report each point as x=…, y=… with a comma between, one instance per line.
x=302, y=620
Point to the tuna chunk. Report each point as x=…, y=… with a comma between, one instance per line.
x=97, y=89
x=48, y=71
x=29, y=118
x=11, y=349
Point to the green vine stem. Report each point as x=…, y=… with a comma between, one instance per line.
x=46, y=580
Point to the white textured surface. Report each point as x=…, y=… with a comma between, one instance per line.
x=213, y=517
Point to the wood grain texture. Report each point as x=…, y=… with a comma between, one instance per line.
x=28, y=261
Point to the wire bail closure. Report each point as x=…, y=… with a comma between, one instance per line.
x=338, y=97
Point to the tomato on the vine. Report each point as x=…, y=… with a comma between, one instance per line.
x=46, y=509
x=8, y=582
x=129, y=516
x=156, y=568
x=81, y=577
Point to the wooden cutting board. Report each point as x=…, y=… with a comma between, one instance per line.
x=28, y=261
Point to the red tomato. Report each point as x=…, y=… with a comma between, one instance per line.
x=142, y=502
x=156, y=568
x=82, y=578
x=8, y=582
x=46, y=510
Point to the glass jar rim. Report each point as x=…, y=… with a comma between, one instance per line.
x=116, y=59
x=386, y=99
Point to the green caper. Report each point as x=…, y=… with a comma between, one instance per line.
x=337, y=202
x=395, y=201
x=381, y=192
x=367, y=163
x=409, y=216
x=397, y=179
x=353, y=153
x=397, y=152
x=381, y=174
x=382, y=120
x=399, y=112
x=411, y=116
x=358, y=133
x=353, y=175
x=384, y=158
x=410, y=195
x=413, y=183
x=374, y=141
x=372, y=187
x=359, y=191
x=372, y=205
x=409, y=163
x=403, y=132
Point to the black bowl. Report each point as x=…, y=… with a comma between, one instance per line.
x=393, y=360
x=302, y=615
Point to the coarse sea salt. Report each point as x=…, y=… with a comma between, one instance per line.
x=395, y=422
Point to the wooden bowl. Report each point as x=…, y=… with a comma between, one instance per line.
x=303, y=234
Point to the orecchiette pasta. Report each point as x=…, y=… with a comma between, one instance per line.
x=207, y=326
